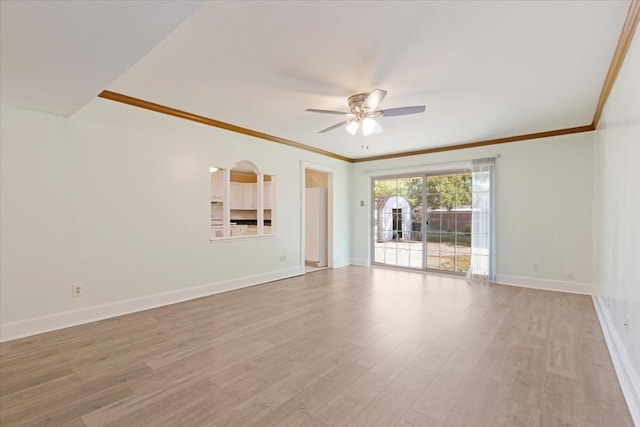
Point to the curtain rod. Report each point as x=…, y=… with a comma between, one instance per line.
x=432, y=164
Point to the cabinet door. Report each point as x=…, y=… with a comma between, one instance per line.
x=236, y=198
x=249, y=196
x=267, y=197
x=217, y=185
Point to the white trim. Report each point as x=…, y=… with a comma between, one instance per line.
x=342, y=262
x=546, y=284
x=360, y=261
x=232, y=238
x=38, y=325
x=627, y=378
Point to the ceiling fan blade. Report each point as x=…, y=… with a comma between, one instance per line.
x=402, y=111
x=313, y=110
x=374, y=99
x=336, y=126
x=378, y=128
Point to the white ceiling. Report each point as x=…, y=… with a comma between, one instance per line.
x=56, y=56
x=484, y=69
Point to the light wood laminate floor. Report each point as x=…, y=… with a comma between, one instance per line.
x=353, y=346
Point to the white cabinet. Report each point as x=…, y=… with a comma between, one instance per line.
x=267, y=195
x=217, y=185
x=236, y=196
x=238, y=230
x=243, y=195
x=218, y=232
x=249, y=196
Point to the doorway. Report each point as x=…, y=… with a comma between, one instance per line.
x=423, y=221
x=317, y=225
x=448, y=237
x=397, y=223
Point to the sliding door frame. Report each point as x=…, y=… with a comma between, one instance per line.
x=423, y=223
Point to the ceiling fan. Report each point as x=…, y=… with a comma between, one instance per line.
x=363, y=112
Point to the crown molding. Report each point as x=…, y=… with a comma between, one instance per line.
x=516, y=138
x=626, y=36
x=163, y=109
x=158, y=108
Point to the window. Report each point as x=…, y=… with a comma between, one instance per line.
x=242, y=201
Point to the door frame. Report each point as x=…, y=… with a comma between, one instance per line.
x=425, y=212
x=330, y=192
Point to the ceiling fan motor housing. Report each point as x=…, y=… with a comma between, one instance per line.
x=356, y=101
x=363, y=108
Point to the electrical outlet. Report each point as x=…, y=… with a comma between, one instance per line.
x=535, y=266
x=77, y=290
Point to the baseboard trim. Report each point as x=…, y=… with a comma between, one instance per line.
x=29, y=327
x=341, y=262
x=364, y=262
x=545, y=284
x=627, y=378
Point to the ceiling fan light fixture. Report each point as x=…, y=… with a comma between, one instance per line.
x=353, y=127
x=363, y=111
x=368, y=126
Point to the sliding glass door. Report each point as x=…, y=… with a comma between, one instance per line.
x=397, y=221
x=449, y=222
x=436, y=235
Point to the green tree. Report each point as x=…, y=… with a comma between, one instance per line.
x=443, y=191
x=409, y=188
x=448, y=191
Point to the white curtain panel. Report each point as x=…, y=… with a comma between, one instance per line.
x=482, y=264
